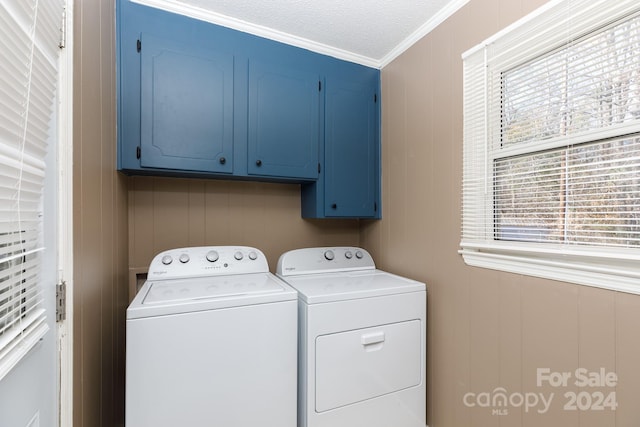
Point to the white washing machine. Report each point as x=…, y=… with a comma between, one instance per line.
x=211, y=341
x=362, y=340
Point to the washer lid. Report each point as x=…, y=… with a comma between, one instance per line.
x=162, y=297
x=329, y=287
x=163, y=291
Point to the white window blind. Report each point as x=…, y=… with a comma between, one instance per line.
x=29, y=37
x=551, y=183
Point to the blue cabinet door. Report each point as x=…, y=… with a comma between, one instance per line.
x=186, y=107
x=283, y=120
x=351, y=149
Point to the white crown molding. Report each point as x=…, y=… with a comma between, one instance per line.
x=437, y=19
x=258, y=30
x=269, y=33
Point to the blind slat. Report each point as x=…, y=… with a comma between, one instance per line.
x=29, y=31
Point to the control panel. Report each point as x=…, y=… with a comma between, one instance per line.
x=324, y=260
x=207, y=261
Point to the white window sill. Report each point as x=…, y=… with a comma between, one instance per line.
x=606, y=269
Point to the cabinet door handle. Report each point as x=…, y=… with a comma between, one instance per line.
x=258, y=163
x=334, y=206
x=223, y=160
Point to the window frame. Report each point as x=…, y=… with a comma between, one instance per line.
x=551, y=26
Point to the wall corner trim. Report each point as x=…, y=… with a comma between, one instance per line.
x=444, y=13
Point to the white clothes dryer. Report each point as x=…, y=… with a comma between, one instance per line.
x=211, y=341
x=362, y=340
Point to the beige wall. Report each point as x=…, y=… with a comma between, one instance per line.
x=486, y=329
x=167, y=213
x=100, y=227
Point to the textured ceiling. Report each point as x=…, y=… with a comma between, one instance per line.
x=371, y=32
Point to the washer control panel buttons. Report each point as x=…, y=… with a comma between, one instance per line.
x=207, y=260
x=213, y=256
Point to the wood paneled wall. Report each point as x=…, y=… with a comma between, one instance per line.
x=486, y=329
x=100, y=224
x=166, y=213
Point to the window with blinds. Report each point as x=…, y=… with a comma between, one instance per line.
x=551, y=183
x=29, y=37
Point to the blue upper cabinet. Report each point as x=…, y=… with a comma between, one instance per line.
x=186, y=107
x=349, y=182
x=351, y=149
x=199, y=100
x=284, y=120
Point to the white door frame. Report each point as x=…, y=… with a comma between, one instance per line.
x=65, y=219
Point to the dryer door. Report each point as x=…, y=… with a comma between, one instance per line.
x=358, y=365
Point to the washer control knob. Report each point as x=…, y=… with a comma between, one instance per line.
x=329, y=255
x=166, y=260
x=212, y=256
x=184, y=258
x=348, y=255
x=359, y=254
x=238, y=255
x=253, y=256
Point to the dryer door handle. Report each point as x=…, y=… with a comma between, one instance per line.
x=372, y=338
